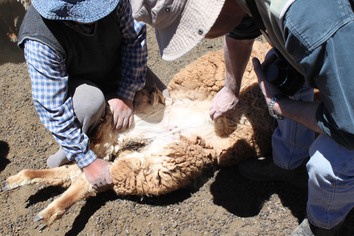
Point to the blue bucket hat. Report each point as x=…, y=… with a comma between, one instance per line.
x=83, y=11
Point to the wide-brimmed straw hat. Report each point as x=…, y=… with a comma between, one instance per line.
x=83, y=11
x=179, y=24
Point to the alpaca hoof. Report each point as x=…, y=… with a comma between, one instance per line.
x=5, y=187
x=37, y=218
x=42, y=226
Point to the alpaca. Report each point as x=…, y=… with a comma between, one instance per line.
x=172, y=141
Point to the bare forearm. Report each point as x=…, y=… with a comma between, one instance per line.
x=237, y=54
x=299, y=111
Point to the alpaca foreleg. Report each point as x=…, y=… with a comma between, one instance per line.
x=79, y=189
x=59, y=176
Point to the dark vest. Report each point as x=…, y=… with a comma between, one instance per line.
x=95, y=57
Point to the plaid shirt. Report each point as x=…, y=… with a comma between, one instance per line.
x=50, y=85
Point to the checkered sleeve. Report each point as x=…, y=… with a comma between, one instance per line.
x=134, y=52
x=49, y=81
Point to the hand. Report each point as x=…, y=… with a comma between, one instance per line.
x=224, y=102
x=270, y=58
x=97, y=173
x=269, y=90
x=122, y=111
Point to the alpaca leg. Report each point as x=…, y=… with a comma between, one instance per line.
x=60, y=176
x=79, y=189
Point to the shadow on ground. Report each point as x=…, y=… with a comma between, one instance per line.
x=4, y=151
x=11, y=15
x=245, y=198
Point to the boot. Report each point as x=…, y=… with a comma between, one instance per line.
x=308, y=229
x=264, y=170
x=303, y=229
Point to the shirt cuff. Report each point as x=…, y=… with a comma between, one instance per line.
x=85, y=159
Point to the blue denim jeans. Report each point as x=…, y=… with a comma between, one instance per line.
x=319, y=35
x=291, y=140
x=331, y=182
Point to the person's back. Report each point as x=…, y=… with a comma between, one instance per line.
x=99, y=65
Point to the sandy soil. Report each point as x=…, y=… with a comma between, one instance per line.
x=220, y=202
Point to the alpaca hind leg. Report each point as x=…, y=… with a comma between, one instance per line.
x=60, y=176
x=79, y=189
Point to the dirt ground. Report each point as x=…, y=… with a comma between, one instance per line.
x=220, y=202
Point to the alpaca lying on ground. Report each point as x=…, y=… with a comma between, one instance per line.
x=172, y=141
